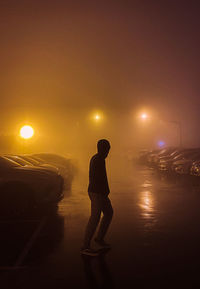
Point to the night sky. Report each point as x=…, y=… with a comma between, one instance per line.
x=118, y=56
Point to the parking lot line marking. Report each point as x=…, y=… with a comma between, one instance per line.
x=30, y=243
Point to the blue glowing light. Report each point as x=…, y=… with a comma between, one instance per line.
x=161, y=143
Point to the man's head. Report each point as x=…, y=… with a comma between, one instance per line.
x=103, y=147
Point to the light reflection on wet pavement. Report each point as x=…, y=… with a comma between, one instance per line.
x=154, y=235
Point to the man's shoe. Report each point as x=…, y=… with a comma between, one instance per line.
x=89, y=252
x=102, y=243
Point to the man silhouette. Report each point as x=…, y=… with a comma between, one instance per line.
x=98, y=191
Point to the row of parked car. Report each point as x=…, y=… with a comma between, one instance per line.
x=173, y=160
x=31, y=181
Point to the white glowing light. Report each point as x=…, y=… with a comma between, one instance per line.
x=26, y=132
x=97, y=117
x=144, y=116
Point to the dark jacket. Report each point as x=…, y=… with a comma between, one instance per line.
x=98, y=182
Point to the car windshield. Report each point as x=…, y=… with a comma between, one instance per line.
x=176, y=153
x=30, y=160
x=7, y=163
x=39, y=160
x=19, y=161
x=167, y=151
x=54, y=158
x=162, y=151
x=185, y=155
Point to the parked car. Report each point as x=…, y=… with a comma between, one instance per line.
x=182, y=167
x=24, y=162
x=65, y=166
x=173, y=154
x=152, y=154
x=27, y=187
x=165, y=165
x=58, y=161
x=164, y=153
x=38, y=163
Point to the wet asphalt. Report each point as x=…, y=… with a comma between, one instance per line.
x=155, y=237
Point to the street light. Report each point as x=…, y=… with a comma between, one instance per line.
x=26, y=132
x=97, y=117
x=144, y=116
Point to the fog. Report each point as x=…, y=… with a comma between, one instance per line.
x=63, y=63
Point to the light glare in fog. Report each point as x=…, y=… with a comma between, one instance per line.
x=97, y=117
x=26, y=132
x=144, y=116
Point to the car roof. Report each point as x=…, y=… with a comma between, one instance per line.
x=5, y=160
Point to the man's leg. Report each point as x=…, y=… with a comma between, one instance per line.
x=107, y=217
x=96, y=206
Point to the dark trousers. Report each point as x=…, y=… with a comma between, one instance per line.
x=99, y=204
